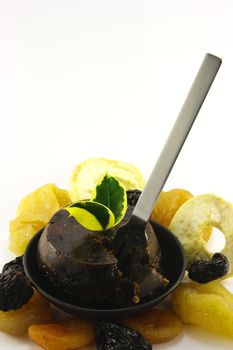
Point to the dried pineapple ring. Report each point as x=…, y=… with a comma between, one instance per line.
x=196, y=213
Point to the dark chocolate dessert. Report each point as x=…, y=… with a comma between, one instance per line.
x=82, y=266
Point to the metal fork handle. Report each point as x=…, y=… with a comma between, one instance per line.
x=178, y=135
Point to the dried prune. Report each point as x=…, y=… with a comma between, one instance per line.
x=209, y=270
x=133, y=196
x=112, y=336
x=15, y=287
x=16, y=264
x=15, y=290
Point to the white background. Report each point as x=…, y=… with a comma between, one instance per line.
x=95, y=78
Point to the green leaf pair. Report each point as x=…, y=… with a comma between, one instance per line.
x=105, y=209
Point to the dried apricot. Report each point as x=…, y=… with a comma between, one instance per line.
x=70, y=333
x=207, y=305
x=157, y=326
x=16, y=322
x=33, y=213
x=167, y=205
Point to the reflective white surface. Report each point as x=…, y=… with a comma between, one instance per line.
x=89, y=78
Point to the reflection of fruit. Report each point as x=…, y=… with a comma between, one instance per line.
x=87, y=174
x=70, y=333
x=16, y=322
x=208, y=305
x=197, y=213
x=167, y=205
x=157, y=326
x=33, y=213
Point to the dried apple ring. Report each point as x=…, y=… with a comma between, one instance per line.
x=196, y=213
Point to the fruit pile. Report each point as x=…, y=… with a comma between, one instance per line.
x=203, y=302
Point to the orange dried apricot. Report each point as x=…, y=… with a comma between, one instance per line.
x=70, y=333
x=16, y=322
x=168, y=204
x=207, y=305
x=157, y=326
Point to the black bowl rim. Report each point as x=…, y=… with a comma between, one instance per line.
x=64, y=305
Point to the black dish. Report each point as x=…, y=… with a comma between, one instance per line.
x=173, y=263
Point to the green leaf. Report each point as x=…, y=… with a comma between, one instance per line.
x=112, y=194
x=93, y=216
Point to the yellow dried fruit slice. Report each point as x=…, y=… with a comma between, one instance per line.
x=157, y=326
x=199, y=212
x=41, y=204
x=33, y=213
x=16, y=322
x=71, y=333
x=62, y=196
x=87, y=174
x=209, y=306
x=21, y=234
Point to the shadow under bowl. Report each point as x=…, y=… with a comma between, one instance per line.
x=173, y=263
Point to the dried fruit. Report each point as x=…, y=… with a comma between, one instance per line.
x=33, y=213
x=21, y=234
x=87, y=174
x=15, y=290
x=196, y=213
x=133, y=196
x=71, y=333
x=157, y=326
x=207, y=305
x=209, y=270
x=167, y=205
x=112, y=336
x=15, y=287
x=16, y=322
x=16, y=264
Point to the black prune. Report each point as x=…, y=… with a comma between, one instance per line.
x=15, y=290
x=209, y=270
x=112, y=336
x=16, y=264
x=133, y=196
